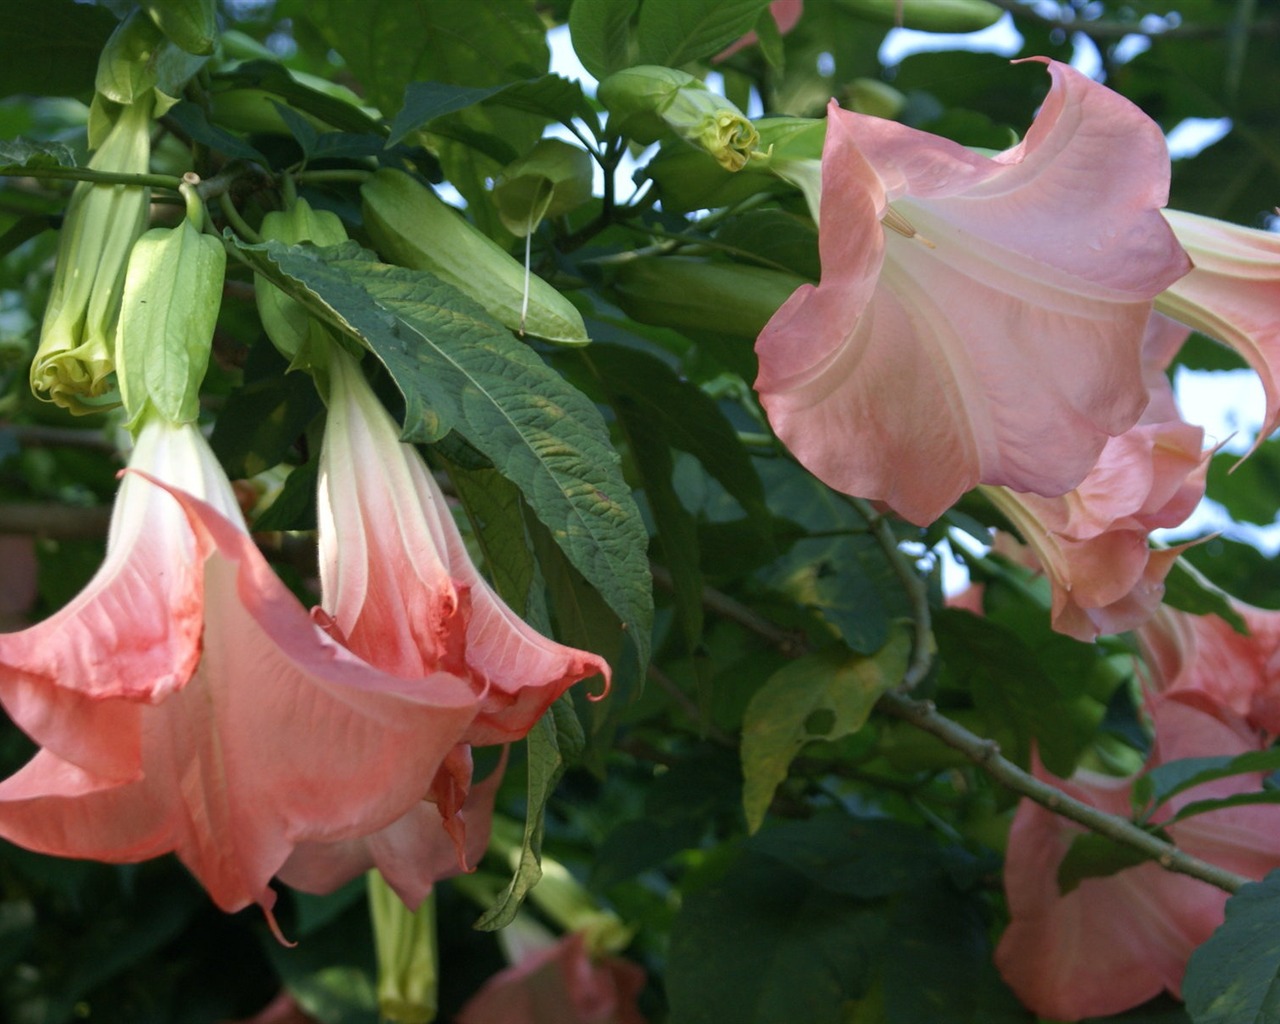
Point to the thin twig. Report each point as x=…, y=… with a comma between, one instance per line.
x=168, y=181
x=986, y=755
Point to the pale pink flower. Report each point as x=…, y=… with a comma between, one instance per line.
x=1232, y=295
x=785, y=14
x=979, y=320
x=1092, y=542
x=560, y=984
x=266, y=735
x=1116, y=941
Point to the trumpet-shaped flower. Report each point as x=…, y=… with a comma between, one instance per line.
x=262, y=733
x=1114, y=942
x=399, y=589
x=979, y=320
x=1092, y=541
x=398, y=582
x=1232, y=295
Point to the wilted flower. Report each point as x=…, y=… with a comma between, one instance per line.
x=979, y=319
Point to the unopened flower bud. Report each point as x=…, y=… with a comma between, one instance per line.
x=75, y=358
x=554, y=178
x=647, y=102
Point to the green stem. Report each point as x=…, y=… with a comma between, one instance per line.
x=236, y=221
x=922, y=648
x=168, y=181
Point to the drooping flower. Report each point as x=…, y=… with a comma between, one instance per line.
x=1116, y=941
x=1205, y=654
x=259, y=731
x=561, y=983
x=399, y=585
x=1232, y=295
x=399, y=590
x=1092, y=542
x=979, y=319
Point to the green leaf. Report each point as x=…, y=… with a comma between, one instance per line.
x=601, y=34
x=294, y=508
x=1174, y=777
x=192, y=119
x=1186, y=589
x=1234, y=978
x=1250, y=489
x=821, y=696
x=550, y=96
x=1018, y=697
x=763, y=944
x=1095, y=856
x=459, y=368
x=273, y=78
x=425, y=101
x=555, y=733
x=676, y=32
x=478, y=43
x=20, y=153
x=52, y=47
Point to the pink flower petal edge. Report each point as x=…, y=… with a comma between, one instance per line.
x=994, y=336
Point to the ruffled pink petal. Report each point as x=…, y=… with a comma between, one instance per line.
x=412, y=853
x=1233, y=295
x=1001, y=342
x=398, y=581
x=134, y=631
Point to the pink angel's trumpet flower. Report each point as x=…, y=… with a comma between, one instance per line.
x=979, y=320
x=785, y=14
x=559, y=983
x=1092, y=542
x=399, y=589
x=1205, y=654
x=398, y=582
x=1232, y=295
x=273, y=736
x=1114, y=942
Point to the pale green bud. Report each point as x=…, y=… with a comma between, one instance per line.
x=647, y=101
x=870, y=96
x=74, y=358
x=138, y=58
x=295, y=333
x=172, y=294
x=554, y=178
x=404, y=942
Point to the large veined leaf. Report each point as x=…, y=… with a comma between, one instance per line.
x=602, y=34
x=675, y=32
x=458, y=368
x=1234, y=978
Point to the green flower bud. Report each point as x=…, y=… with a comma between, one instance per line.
x=138, y=58
x=295, y=333
x=646, y=102
x=554, y=178
x=929, y=15
x=699, y=297
x=74, y=358
x=404, y=942
x=411, y=226
x=191, y=25
x=869, y=96
x=172, y=294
